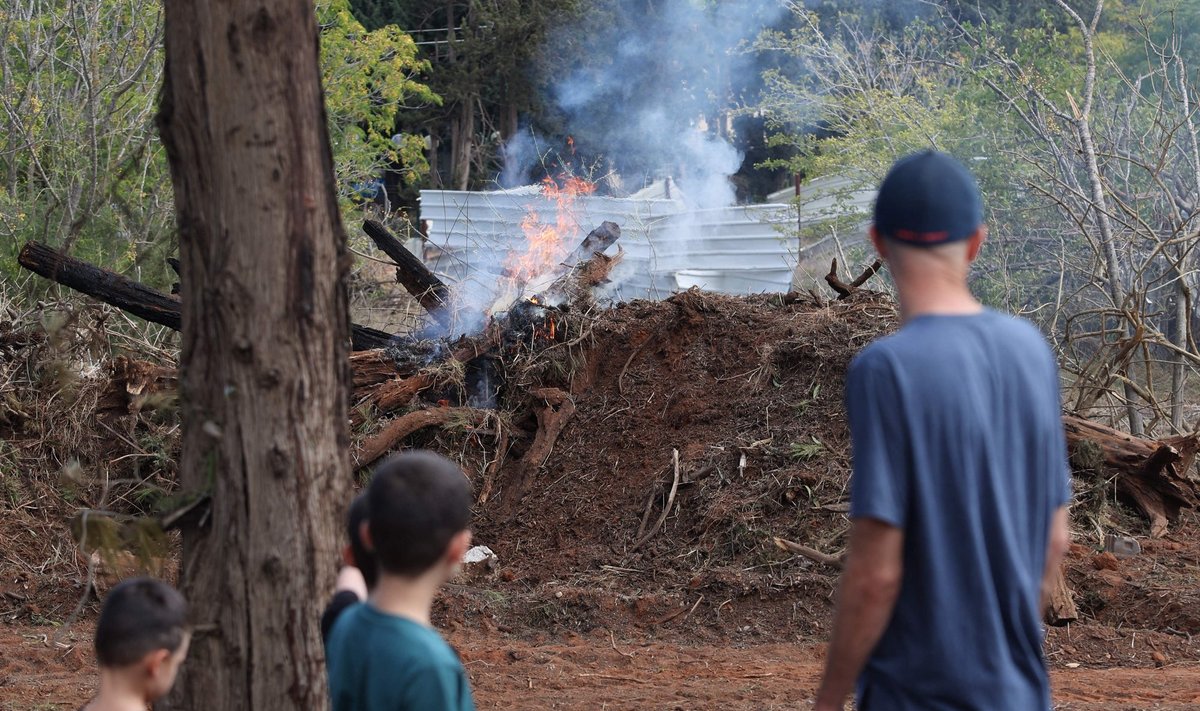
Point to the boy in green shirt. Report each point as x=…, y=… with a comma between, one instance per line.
x=384, y=655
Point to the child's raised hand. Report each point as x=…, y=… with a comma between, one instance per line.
x=351, y=578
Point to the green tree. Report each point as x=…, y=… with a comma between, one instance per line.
x=370, y=77
x=81, y=166
x=79, y=163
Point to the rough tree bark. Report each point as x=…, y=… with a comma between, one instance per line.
x=265, y=378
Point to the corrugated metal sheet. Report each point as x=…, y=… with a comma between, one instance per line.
x=473, y=232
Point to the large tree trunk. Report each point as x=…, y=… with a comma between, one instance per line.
x=265, y=379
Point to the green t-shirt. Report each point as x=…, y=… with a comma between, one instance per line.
x=382, y=662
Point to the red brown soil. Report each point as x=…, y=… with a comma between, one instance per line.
x=598, y=671
x=706, y=613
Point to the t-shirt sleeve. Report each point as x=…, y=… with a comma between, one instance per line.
x=342, y=600
x=879, y=487
x=439, y=687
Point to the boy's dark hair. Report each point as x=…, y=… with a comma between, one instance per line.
x=364, y=559
x=416, y=503
x=140, y=616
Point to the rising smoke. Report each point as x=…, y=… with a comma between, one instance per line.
x=655, y=92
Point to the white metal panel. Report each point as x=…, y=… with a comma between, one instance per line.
x=473, y=232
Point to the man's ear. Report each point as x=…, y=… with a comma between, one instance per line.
x=348, y=556
x=878, y=241
x=459, y=545
x=364, y=535
x=975, y=243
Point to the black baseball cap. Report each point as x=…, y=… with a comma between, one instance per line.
x=927, y=199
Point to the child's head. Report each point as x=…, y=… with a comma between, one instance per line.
x=418, y=508
x=142, y=633
x=356, y=553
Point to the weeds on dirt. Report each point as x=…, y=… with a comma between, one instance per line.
x=57, y=453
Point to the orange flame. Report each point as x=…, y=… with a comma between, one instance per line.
x=548, y=244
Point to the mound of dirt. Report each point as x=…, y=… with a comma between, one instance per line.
x=747, y=391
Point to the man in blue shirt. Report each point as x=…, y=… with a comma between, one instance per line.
x=960, y=476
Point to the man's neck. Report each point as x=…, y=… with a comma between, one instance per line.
x=117, y=693
x=411, y=598
x=931, y=296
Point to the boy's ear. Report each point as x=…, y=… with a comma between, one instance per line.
x=364, y=535
x=459, y=545
x=153, y=662
x=348, y=556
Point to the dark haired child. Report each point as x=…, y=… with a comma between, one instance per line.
x=357, y=577
x=141, y=640
x=384, y=654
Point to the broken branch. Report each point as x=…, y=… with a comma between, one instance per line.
x=833, y=561
x=378, y=445
x=843, y=289
x=666, y=509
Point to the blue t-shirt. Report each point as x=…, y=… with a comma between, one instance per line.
x=382, y=662
x=958, y=440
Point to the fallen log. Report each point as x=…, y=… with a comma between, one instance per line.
x=109, y=287
x=1155, y=475
x=136, y=298
x=429, y=291
x=379, y=444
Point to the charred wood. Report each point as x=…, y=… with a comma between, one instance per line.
x=429, y=291
x=109, y=287
x=136, y=298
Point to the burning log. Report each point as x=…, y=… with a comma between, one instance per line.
x=136, y=298
x=1154, y=475
x=429, y=291
x=583, y=268
x=598, y=240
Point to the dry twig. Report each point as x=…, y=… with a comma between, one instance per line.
x=833, y=561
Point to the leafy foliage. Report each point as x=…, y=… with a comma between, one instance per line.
x=370, y=77
x=81, y=165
